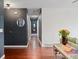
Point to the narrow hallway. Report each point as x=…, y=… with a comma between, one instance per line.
x=34, y=42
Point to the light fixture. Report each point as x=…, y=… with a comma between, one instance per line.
x=8, y=6
x=75, y=1
x=15, y=12
x=34, y=16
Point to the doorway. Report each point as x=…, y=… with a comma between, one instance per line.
x=34, y=26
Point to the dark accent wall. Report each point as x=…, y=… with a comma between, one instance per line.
x=1, y=27
x=15, y=26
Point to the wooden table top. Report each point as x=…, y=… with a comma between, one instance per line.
x=69, y=55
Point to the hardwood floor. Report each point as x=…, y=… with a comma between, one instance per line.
x=33, y=51
x=27, y=53
x=34, y=42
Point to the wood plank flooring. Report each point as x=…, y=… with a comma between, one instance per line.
x=33, y=51
x=27, y=53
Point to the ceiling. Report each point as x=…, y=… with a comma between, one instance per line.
x=34, y=11
x=41, y=3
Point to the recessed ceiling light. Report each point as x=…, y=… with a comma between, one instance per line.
x=8, y=6
x=15, y=12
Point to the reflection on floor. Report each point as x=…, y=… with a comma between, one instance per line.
x=34, y=42
x=34, y=51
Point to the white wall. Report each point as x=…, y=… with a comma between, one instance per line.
x=54, y=19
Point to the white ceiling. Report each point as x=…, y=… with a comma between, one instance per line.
x=41, y=3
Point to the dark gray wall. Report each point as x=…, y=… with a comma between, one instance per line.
x=15, y=34
x=1, y=27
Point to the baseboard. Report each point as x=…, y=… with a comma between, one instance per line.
x=15, y=46
x=3, y=57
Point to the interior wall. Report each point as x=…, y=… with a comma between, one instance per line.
x=1, y=44
x=53, y=19
x=40, y=27
x=15, y=26
x=1, y=29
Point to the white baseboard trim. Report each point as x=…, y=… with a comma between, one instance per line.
x=15, y=46
x=3, y=57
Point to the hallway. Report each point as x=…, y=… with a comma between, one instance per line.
x=34, y=42
x=33, y=51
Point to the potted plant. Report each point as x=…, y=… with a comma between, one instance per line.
x=64, y=36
